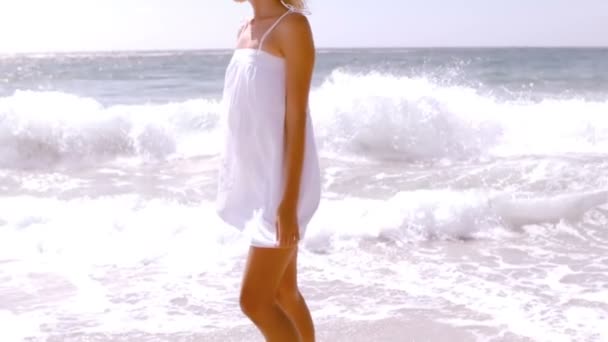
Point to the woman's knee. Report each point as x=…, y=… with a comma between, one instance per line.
x=288, y=297
x=255, y=303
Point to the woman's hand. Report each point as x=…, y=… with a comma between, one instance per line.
x=288, y=232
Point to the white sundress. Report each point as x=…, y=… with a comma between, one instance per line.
x=251, y=176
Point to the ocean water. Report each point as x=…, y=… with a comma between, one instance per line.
x=465, y=197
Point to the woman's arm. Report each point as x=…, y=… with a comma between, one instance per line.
x=298, y=49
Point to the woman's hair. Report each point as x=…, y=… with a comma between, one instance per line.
x=298, y=4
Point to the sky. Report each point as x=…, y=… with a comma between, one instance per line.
x=85, y=25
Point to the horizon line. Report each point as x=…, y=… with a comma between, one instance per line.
x=199, y=49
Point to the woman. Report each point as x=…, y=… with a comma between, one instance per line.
x=269, y=180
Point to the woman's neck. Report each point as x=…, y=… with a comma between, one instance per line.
x=266, y=8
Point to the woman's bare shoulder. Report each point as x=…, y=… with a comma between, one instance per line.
x=295, y=25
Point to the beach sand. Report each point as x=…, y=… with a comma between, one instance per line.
x=388, y=330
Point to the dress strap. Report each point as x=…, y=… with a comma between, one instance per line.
x=273, y=26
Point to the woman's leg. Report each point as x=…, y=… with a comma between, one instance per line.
x=292, y=302
x=263, y=273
